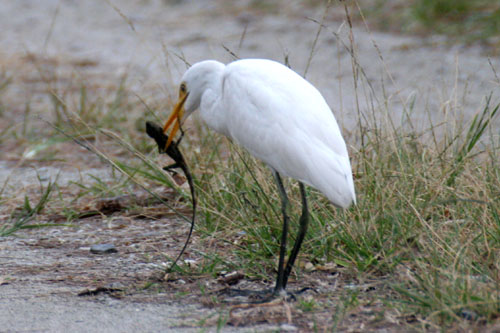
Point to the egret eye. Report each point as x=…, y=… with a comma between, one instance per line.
x=182, y=89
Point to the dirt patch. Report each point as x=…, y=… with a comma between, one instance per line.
x=54, y=47
x=52, y=281
x=52, y=277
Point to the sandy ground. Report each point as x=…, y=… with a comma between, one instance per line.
x=43, y=276
x=147, y=45
x=92, y=41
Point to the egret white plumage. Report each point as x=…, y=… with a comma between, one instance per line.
x=281, y=119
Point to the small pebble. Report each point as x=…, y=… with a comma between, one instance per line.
x=191, y=262
x=309, y=267
x=103, y=249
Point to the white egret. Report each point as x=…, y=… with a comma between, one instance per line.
x=281, y=119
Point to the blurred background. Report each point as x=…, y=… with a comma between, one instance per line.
x=414, y=85
x=109, y=64
x=420, y=49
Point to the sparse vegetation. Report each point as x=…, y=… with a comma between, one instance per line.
x=469, y=21
x=426, y=228
x=24, y=214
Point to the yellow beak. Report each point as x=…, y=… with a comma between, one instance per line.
x=175, y=118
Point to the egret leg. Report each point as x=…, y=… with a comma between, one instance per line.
x=281, y=280
x=303, y=223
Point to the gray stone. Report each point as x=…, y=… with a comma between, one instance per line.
x=103, y=249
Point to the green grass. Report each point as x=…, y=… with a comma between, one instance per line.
x=427, y=221
x=477, y=19
x=440, y=223
x=463, y=20
x=432, y=211
x=22, y=216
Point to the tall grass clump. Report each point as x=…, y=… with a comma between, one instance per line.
x=23, y=215
x=427, y=217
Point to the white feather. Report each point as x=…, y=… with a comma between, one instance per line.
x=276, y=115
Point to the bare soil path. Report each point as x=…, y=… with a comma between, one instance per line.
x=43, y=271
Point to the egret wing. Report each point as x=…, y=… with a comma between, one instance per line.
x=283, y=120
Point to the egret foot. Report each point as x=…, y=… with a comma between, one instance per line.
x=291, y=296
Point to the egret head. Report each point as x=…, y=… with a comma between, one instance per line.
x=194, y=82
